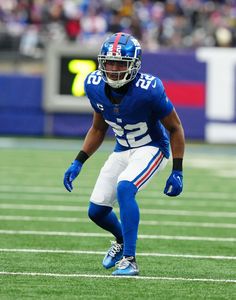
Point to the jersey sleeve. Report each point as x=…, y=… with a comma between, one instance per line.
x=161, y=103
x=88, y=88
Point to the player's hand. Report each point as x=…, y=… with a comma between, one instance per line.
x=71, y=173
x=174, y=184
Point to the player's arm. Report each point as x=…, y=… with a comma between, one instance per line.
x=95, y=135
x=172, y=123
x=177, y=141
x=93, y=140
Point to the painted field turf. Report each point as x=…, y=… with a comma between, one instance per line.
x=49, y=249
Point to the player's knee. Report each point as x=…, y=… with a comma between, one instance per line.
x=96, y=212
x=126, y=189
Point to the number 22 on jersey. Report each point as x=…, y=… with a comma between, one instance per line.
x=130, y=134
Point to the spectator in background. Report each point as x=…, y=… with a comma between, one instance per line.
x=115, y=23
x=93, y=24
x=29, y=25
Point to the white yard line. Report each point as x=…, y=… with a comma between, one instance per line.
x=188, y=213
x=31, y=189
x=188, y=224
x=43, y=207
x=150, y=254
x=44, y=198
x=143, y=211
x=77, y=275
x=87, y=220
x=83, y=187
x=144, y=201
x=184, y=201
x=95, y=234
x=196, y=195
x=45, y=219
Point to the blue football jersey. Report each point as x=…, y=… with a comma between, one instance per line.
x=136, y=120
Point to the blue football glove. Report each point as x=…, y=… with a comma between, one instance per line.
x=174, y=184
x=71, y=173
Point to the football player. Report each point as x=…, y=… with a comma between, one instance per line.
x=138, y=110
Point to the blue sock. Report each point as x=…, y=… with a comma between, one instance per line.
x=105, y=218
x=129, y=215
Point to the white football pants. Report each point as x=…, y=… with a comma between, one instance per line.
x=137, y=165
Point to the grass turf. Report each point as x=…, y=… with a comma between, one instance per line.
x=31, y=175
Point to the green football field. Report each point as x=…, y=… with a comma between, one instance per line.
x=49, y=249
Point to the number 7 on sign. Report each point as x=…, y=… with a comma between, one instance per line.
x=81, y=68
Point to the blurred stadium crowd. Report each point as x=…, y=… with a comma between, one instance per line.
x=28, y=26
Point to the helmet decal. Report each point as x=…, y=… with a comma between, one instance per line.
x=116, y=52
x=116, y=47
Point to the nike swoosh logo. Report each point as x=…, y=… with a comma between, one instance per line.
x=179, y=179
x=154, y=84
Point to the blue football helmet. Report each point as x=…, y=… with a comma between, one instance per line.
x=124, y=49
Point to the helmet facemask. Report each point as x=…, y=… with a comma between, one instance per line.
x=126, y=70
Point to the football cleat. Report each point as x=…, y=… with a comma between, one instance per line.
x=125, y=267
x=114, y=254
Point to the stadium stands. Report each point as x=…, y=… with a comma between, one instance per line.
x=28, y=25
